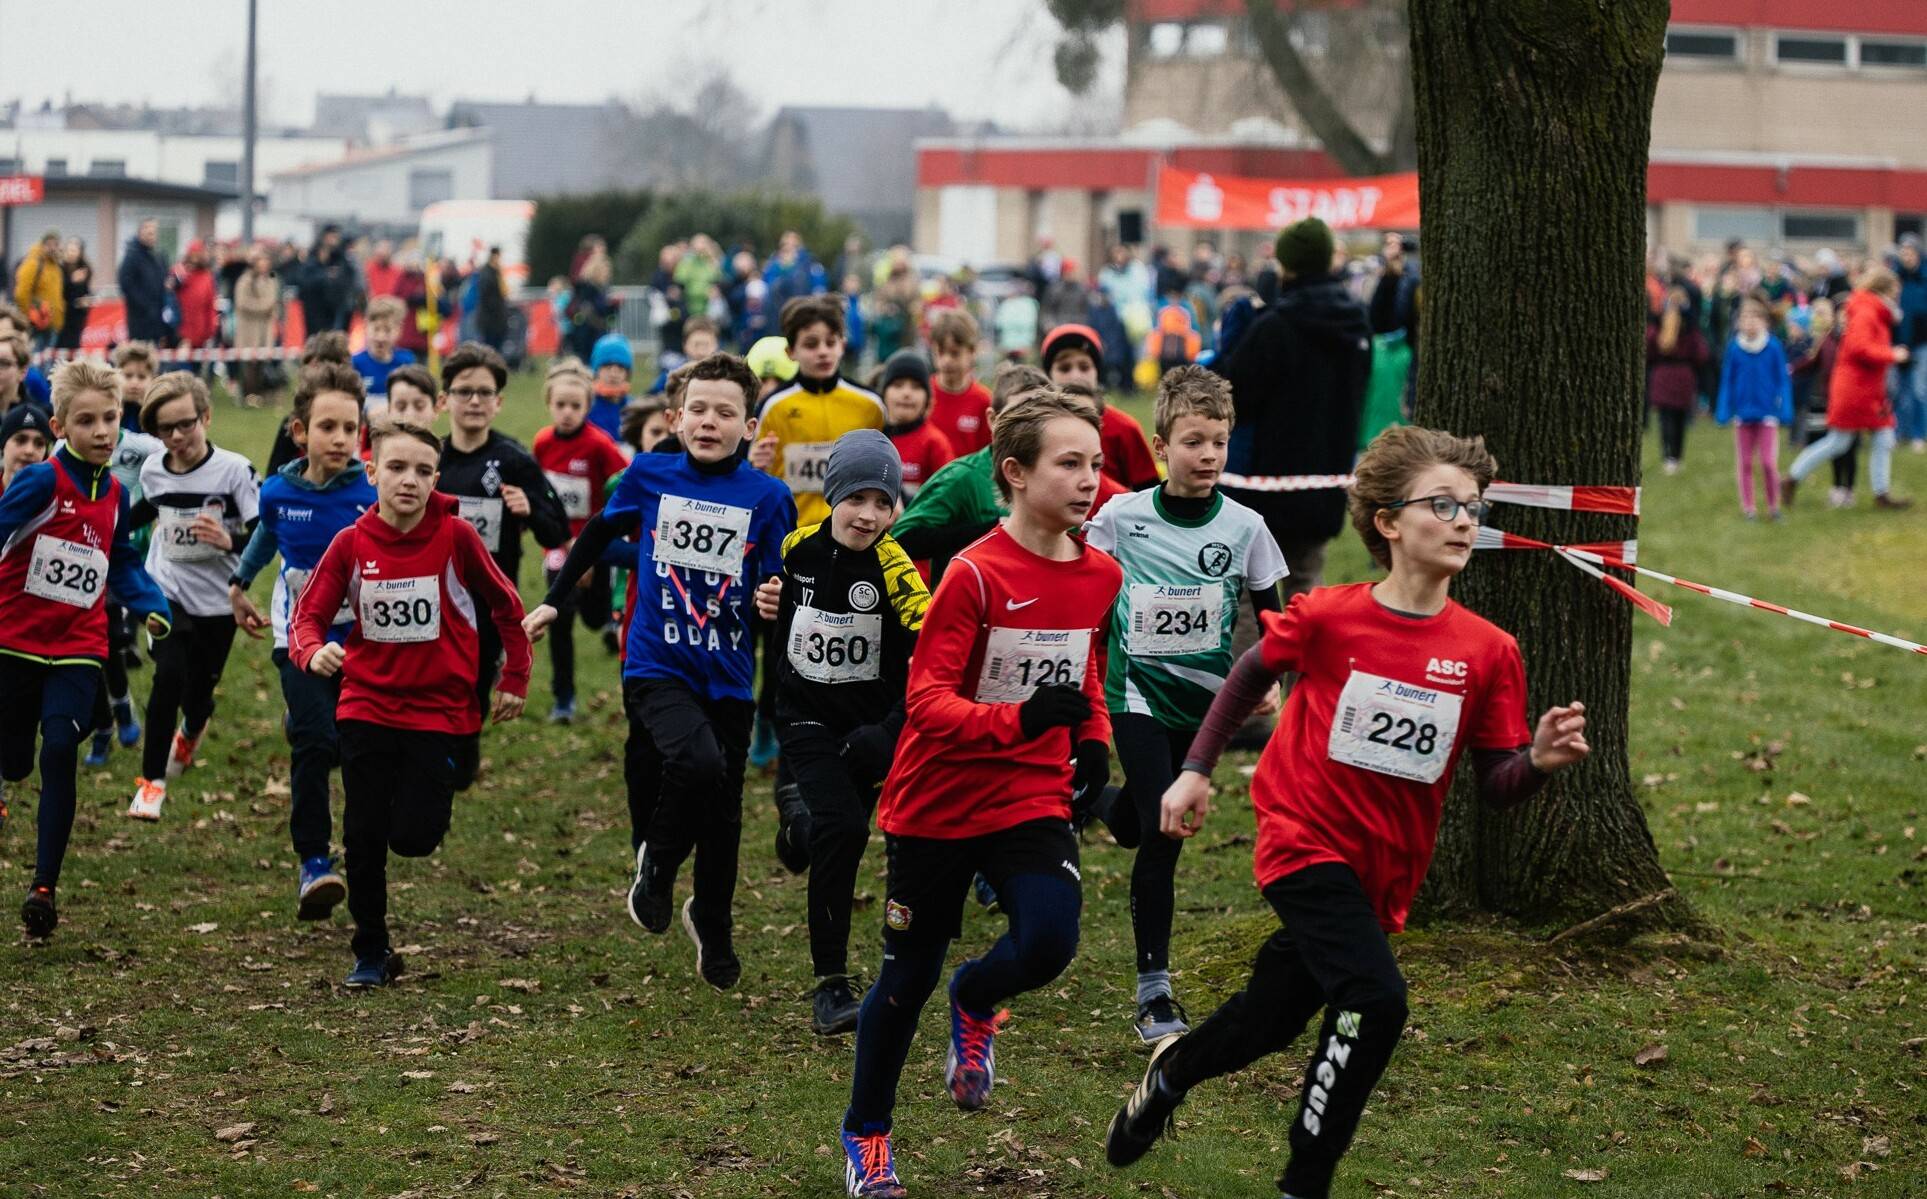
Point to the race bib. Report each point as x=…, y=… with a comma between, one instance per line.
x=836, y=647
x=1170, y=620
x=485, y=516
x=803, y=465
x=401, y=609
x=66, y=572
x=699, y=535
x=175, y=529
x=573, y=492
x=1394, y=728
x=1018, y=661
x=296, y=582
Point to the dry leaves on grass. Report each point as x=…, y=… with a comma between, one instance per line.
x=233, y=1132
x=1589, y=1175
x=1651, y=1055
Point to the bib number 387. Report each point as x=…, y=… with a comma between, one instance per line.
x=1019, y=661
x=1394, y=728
x=699, y=535
x=66, y=572
x=401, y=610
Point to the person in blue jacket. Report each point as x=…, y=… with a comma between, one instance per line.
x=1756, y=392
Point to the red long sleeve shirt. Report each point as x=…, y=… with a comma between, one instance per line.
x=579, y=467
x=1003, y=622
x=417, y=598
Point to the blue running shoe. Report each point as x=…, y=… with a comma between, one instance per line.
x=127, y=724
x=970, y=1067
x=763, y=748
x=377, y=971
x=322, y=887
x=563, y=712
x=869, y=1167
x=985, y=893
x=103, y=745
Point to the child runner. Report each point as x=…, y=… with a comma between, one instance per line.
x=612, y=362
x=578, y=458
x=1188, y=552
x=382, y=326
x=499, y=487
x=25, y=438
x=202, y=501
x=905, y=386
x=303, y=507
x=1756, y=392
x=64, y=544
x=700, y=339
x=1073, y=354
x=1395, y=679
x=419, y=582
x=710, y=523
x=1005, y=739
x=958, y=401
x=850, y=605
x=413, y=398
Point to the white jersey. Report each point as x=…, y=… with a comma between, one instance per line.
x=193, y=574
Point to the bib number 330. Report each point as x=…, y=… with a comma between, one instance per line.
x=401, y=610
x=1394, y=728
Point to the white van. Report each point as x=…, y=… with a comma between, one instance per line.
x=463, y=230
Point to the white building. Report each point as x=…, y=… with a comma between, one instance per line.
x=387, y=188
x=190, y=159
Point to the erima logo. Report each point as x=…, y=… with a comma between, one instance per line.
x=1138, y=530
x=1011, y=605
x=66, y=507
x=370, y=568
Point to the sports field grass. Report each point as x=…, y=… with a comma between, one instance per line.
x=183, y=1035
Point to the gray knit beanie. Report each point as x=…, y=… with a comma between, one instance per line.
x=862, y=458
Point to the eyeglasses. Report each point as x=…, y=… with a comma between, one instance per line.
x=180, y=426
x=1446, y=508
x=7, y=364
x=473, y=393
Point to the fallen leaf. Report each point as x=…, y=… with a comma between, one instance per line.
x=1876, y=1146
x=327, y=1105
x=1586, y=1175
x=1754, y=1147
x=460, y=1088
x=203, y=929
x=527, y=986
x=418, y=1075
x=484, y=1138
x=1795, y=799
x=233, y=1132
x=1652, y=1055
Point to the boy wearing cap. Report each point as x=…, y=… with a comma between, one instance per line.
x=1073, y=354
x=25, y=436
x=847, y=608
x=905, y=385
x=612, y=362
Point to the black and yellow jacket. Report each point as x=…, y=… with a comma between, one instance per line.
x=845, y=629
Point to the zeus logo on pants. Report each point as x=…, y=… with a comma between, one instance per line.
x=1337, y=1053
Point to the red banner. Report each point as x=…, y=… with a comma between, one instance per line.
x=1194, y=200
x=22, y=189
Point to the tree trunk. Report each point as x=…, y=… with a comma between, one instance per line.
x=1533, y=125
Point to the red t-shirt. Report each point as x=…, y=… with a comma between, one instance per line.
x=1003, y=622
x=959, y=415
x=923, y=449
x=579, y=467
x=417, y=598
x=1407, y=695
x=1127, y=453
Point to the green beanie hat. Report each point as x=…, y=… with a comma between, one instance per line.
x=1306, y=248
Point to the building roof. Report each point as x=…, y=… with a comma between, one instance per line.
x=853, y=159
x=425, y=143
x=135, y=189
x=373, y=118
x=553, y=149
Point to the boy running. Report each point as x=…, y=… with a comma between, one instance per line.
x=303, y=506
x=905, y=384
x=64, y=544
x=202, y=501
x=419, y=582
x=25, y=438
x=803, y=420
x=1395, y=679
x=709, y=524
x=1005, y=739
x=1189, y=554
x=1073, y=354
x=958, y=401
x=382, y=326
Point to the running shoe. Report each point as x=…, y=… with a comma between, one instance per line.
x=970, y=1067
x=763, y=746
x=1147, y=1115
x=146, y=804
x=103, y=744
x=1161, y=1017
x=376, y=971
x=126, y=725
x=834, y=1005
x=37, y=913
x=985, y=894
x=869, y=1167
x=563, y=712
x=650, y=895
x=716, y=958
x=322, y=887
x=180, y=759
x=792, y=829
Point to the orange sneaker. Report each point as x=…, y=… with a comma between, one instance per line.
x=181, y=758
x=146, y=804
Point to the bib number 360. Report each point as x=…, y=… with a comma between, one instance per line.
x=1394, y=728
x=401, y=610
x=836, y=647
x=66, y=572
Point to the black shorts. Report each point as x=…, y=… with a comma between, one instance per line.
x=929, y=878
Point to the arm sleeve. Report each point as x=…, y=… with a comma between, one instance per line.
x=935, y=701
x=1507, y=777
x=260, y=551
x=1100, y=531
x=939, y=541
x=546, y=519
x=1786, y=386
x=1264, y=599
x=29, y=493
x=142, y=514
x=909, y=598
x=127, y=578
x=1244, y=689
x=586, y=553
x=1723, y=407
x=320, y=600
x=1097, y=727
x=504, y=608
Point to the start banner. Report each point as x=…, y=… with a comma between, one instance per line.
x=1197, y=200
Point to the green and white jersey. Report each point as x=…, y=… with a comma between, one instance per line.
x=1170, y=645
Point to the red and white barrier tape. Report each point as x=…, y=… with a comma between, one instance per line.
x=1620, y=500
x=249, y=354
x=1489, y=538
x=1286, y=482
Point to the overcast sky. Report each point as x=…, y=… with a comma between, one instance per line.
x=976, y=58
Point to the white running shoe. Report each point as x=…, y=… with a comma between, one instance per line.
x=146, y=804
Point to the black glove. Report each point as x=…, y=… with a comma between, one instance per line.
x=1052, y=706
x=867, y=752
x=1090, y=771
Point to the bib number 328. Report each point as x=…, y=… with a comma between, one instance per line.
x=1394, y=728
x=66, y=572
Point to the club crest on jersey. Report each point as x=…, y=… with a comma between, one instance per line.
x=492, y=477
x=1214, y=559
x=863, y=596
x=897, y=916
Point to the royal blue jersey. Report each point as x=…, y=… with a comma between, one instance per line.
x=706, y=540
x=605, y=413
x=374, y=373
x=298, y=520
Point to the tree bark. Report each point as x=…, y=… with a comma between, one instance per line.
x=1534, y=119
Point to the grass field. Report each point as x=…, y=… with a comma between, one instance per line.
x=183, y=1035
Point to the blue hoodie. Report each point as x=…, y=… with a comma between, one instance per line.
x=299, y=519
x=1755, y=387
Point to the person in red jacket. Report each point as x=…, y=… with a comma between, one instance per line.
x=1072, y=354
x=1006, y=736
x=194, y=295
x=1857, y=395
x=418, y=579
x=1395, y=682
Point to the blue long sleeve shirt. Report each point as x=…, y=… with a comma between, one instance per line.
x=1755, y=386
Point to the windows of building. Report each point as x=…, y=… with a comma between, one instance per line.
x=1703, y=45
x=1850, y=51
x=56, y=167
x=430, y=186
x=1812, y=49
x=1835, y=228
x=108, y=168
x=221, y=176
x=1893, y=52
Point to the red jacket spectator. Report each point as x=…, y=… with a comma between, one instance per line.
x=1857, y=398
x=200, y=323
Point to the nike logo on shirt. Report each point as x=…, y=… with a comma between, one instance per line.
x=1011, y=605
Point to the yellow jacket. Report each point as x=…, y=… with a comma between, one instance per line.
x=40, y=283
x=806, y=418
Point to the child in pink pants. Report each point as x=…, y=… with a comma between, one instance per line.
x=1756, y=392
